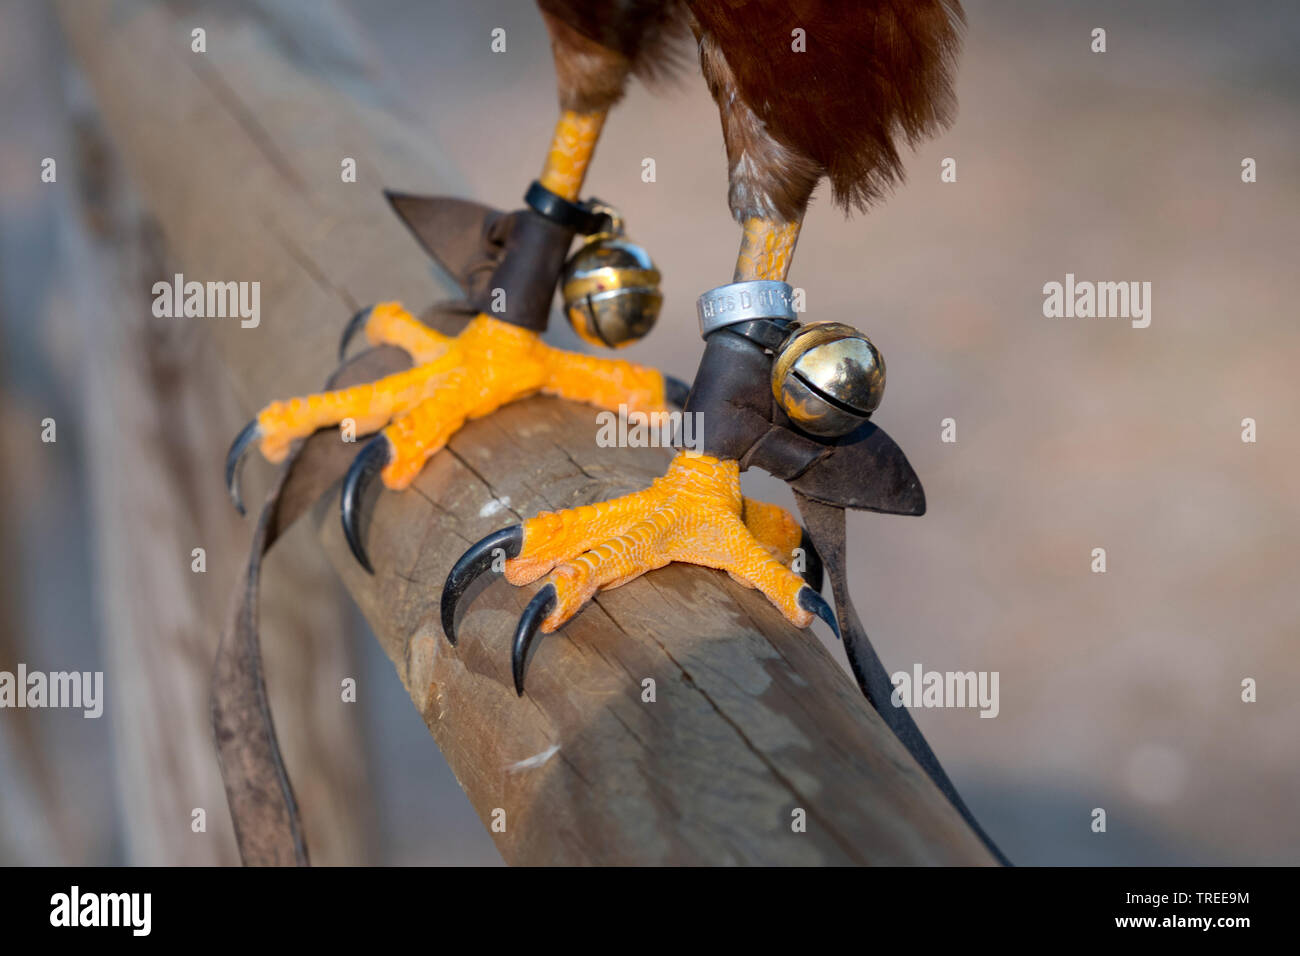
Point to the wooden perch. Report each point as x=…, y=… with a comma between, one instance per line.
x=238, y=153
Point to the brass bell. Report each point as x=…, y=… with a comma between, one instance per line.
x=611, y=287
x=828, y=378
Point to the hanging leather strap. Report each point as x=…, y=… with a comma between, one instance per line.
x=470, y=241
x=268, y=829
x=826, y=526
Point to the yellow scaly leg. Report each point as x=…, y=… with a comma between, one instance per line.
x=695, y=514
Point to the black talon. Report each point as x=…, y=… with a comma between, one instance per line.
x=676, y=391
x=355, y=325
x=812, y=562
x=369, y=462
x=470, y=565
x=540, y=606
x=810, y=600
x=235, y=461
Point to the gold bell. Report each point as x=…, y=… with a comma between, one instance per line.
x=611, y=287
x=828, y=378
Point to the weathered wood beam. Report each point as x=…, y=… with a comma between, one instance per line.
x=238, y=152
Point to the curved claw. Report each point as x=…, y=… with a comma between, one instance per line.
x=810, y=600
x=676, y=391
x=355, y=325
x=470, y=565
x=812, y=569
x=368, y=463
x=540, y=606
x=235, y=461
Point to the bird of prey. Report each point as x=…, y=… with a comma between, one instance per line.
x=806, y=90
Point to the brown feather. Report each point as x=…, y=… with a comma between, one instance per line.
x=874, y=72
x=599, y=43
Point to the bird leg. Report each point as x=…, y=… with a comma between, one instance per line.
x=694, y=514
x=572, y=146
x=766, y=248
x=498, y=357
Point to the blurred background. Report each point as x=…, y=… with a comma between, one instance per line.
x=1119, y=690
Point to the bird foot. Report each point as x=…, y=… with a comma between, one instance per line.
x=454, y=379
x=694, y=514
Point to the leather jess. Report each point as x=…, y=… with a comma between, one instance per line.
x=864, y=469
